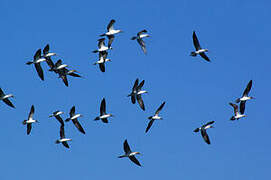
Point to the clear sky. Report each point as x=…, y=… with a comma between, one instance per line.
x=237, y=34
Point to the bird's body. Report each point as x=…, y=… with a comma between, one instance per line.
x=140, y=35
x=101, y=46
x=74, y=119
x=203, y=129
x=129, y=153
x=199, y=51
x=245, y=97
x=37, y=60
x=63, y=139
x=111, y=32
x=136, y=94
x=4, y=97
x=30, y=120
x=103, y=115
x=102, y=59
x=155, y=117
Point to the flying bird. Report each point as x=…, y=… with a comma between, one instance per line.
x=57, y=114
x=4, y=97
x=101, y=46
x=237, y=114
x=37, y=60
x=203, y=129
x=62, y=139
x=129, y=153
x=142, y=34
x=102, y=59
x=30, y=120
x=155, y=117
x=111, y=32
x=103, y=115
x=245, y=97
x=74, y=117
x=198, y=48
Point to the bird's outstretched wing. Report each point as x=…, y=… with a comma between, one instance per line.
x=249, y=85
x=196, y=41
x=205, y=136
x=126, y=147
x=149, y=125
x=39, y=70
x=110, y=25
x=204, y=56
x=140, y=102
x=160, y=108
x=78, y=126
x=133, y=159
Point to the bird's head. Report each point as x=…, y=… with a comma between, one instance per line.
x=193, y=54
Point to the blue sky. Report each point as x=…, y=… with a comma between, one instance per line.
x=237, y=34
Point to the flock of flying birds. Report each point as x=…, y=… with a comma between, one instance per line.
x=136, y=94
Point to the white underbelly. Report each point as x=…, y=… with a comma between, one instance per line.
x=104, y=116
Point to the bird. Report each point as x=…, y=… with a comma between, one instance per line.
x=30, y=120
x=102, y=59
x=142, y=34
x=245, y=97
x=111, y=32
x=103, y=115
x=134, y=92
x=155, y=117
x=57, y=114
x=4, y=97
x=203, y=131
x=74, y=117
x=37, y=60
x=199, y=50
x=101, y=46
x=129, y=153
x=138, y=95
x=237, y=114
x=62, y=139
